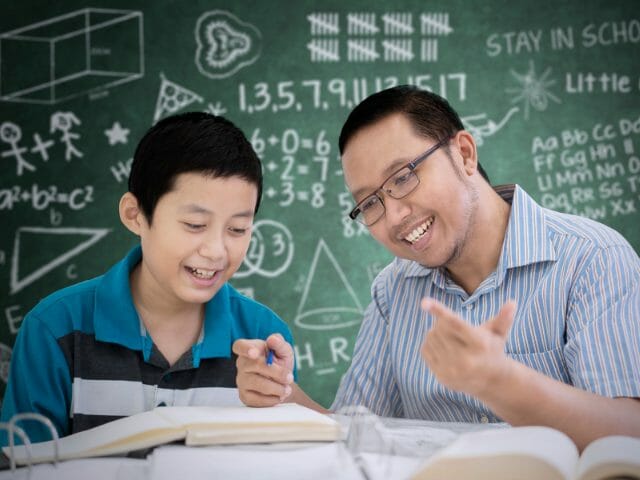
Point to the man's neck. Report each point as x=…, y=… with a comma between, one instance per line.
x=484, y=246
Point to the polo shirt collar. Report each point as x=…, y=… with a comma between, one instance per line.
x=116, y=319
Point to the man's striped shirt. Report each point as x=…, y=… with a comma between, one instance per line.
x=577, y=287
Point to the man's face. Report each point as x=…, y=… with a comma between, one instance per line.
x=432, y=223
x=198, y=238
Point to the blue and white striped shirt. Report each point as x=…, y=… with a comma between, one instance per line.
x=577, y=287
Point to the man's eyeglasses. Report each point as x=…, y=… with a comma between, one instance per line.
x=397, y=185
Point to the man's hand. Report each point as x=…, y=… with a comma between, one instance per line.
x=463, y=357
x=259, y=384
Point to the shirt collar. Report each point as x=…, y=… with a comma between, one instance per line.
x=526, y=240
x=116, y=319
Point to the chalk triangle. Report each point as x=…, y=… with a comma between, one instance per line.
x=56, y=252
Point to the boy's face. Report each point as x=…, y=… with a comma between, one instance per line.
x=198, y=238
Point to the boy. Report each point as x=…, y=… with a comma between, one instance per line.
x=157, y=328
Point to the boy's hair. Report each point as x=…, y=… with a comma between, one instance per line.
x=193, y=142
x=430, y=114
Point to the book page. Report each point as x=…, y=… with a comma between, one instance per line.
x=285, y=413
x=122, y=435
x=614, y=456
x=281, y=423
x=518, y=452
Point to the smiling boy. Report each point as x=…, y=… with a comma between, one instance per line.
x=157, y=328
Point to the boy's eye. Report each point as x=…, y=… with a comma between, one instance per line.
x=238, y=231
x=193, y=226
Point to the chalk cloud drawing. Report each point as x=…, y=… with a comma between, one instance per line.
x=66, y=56
x=324, y=309
x=225, y=44
x=172, y=98
x=16, y=283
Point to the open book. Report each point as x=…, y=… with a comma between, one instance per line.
x=195, y=425
x=532, y=453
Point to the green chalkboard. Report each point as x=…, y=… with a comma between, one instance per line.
x=550, y=89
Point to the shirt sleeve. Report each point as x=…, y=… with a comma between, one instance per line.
x=39, y=382
x=369, y=381
x=603, y=324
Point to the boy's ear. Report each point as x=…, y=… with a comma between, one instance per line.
x=131, y=215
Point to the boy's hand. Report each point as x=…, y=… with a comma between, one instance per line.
x=259, y=384
x=463, y=357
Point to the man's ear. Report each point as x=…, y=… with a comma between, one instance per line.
x=468, y=151
x=131, y=215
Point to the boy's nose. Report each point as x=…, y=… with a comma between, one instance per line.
x=213, y=247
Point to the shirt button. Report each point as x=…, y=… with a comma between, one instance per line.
x=469, y=306
x=484, y=419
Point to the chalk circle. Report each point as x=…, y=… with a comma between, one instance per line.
x=270, y=252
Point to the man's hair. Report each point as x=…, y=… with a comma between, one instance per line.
x=193, y=142
x=430, y=115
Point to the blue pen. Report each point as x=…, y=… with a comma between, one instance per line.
x=270, y=357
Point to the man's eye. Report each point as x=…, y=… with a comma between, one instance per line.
x=402, y=178
x=369, y=203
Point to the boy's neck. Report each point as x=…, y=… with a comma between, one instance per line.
x=174, y=327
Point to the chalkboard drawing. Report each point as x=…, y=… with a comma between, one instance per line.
x=66, y=56
x=362, y=24
x=11, y=134
x=398, y=23
x=328, y=302
x=41, y=147
x=172, y=98
x=270, y=251
x=480, y=132
x=63, y=122
x=225, y=44
x=362, y=50
x=117, y=134
x=433, y=24
x=5, y=360
x=532, y=91
x=35, y=236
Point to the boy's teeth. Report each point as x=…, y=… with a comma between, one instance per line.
x=203, y=273
x=419, y=231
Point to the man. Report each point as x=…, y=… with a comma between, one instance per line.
x=495, y=309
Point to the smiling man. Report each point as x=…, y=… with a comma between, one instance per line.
x=495, y=309
x=157, y=328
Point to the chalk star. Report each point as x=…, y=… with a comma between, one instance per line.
x=117, y=134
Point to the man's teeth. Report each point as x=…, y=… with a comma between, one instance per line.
x=419, y=231
x=198, y=272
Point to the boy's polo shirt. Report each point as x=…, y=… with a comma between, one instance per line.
x=83, y=356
